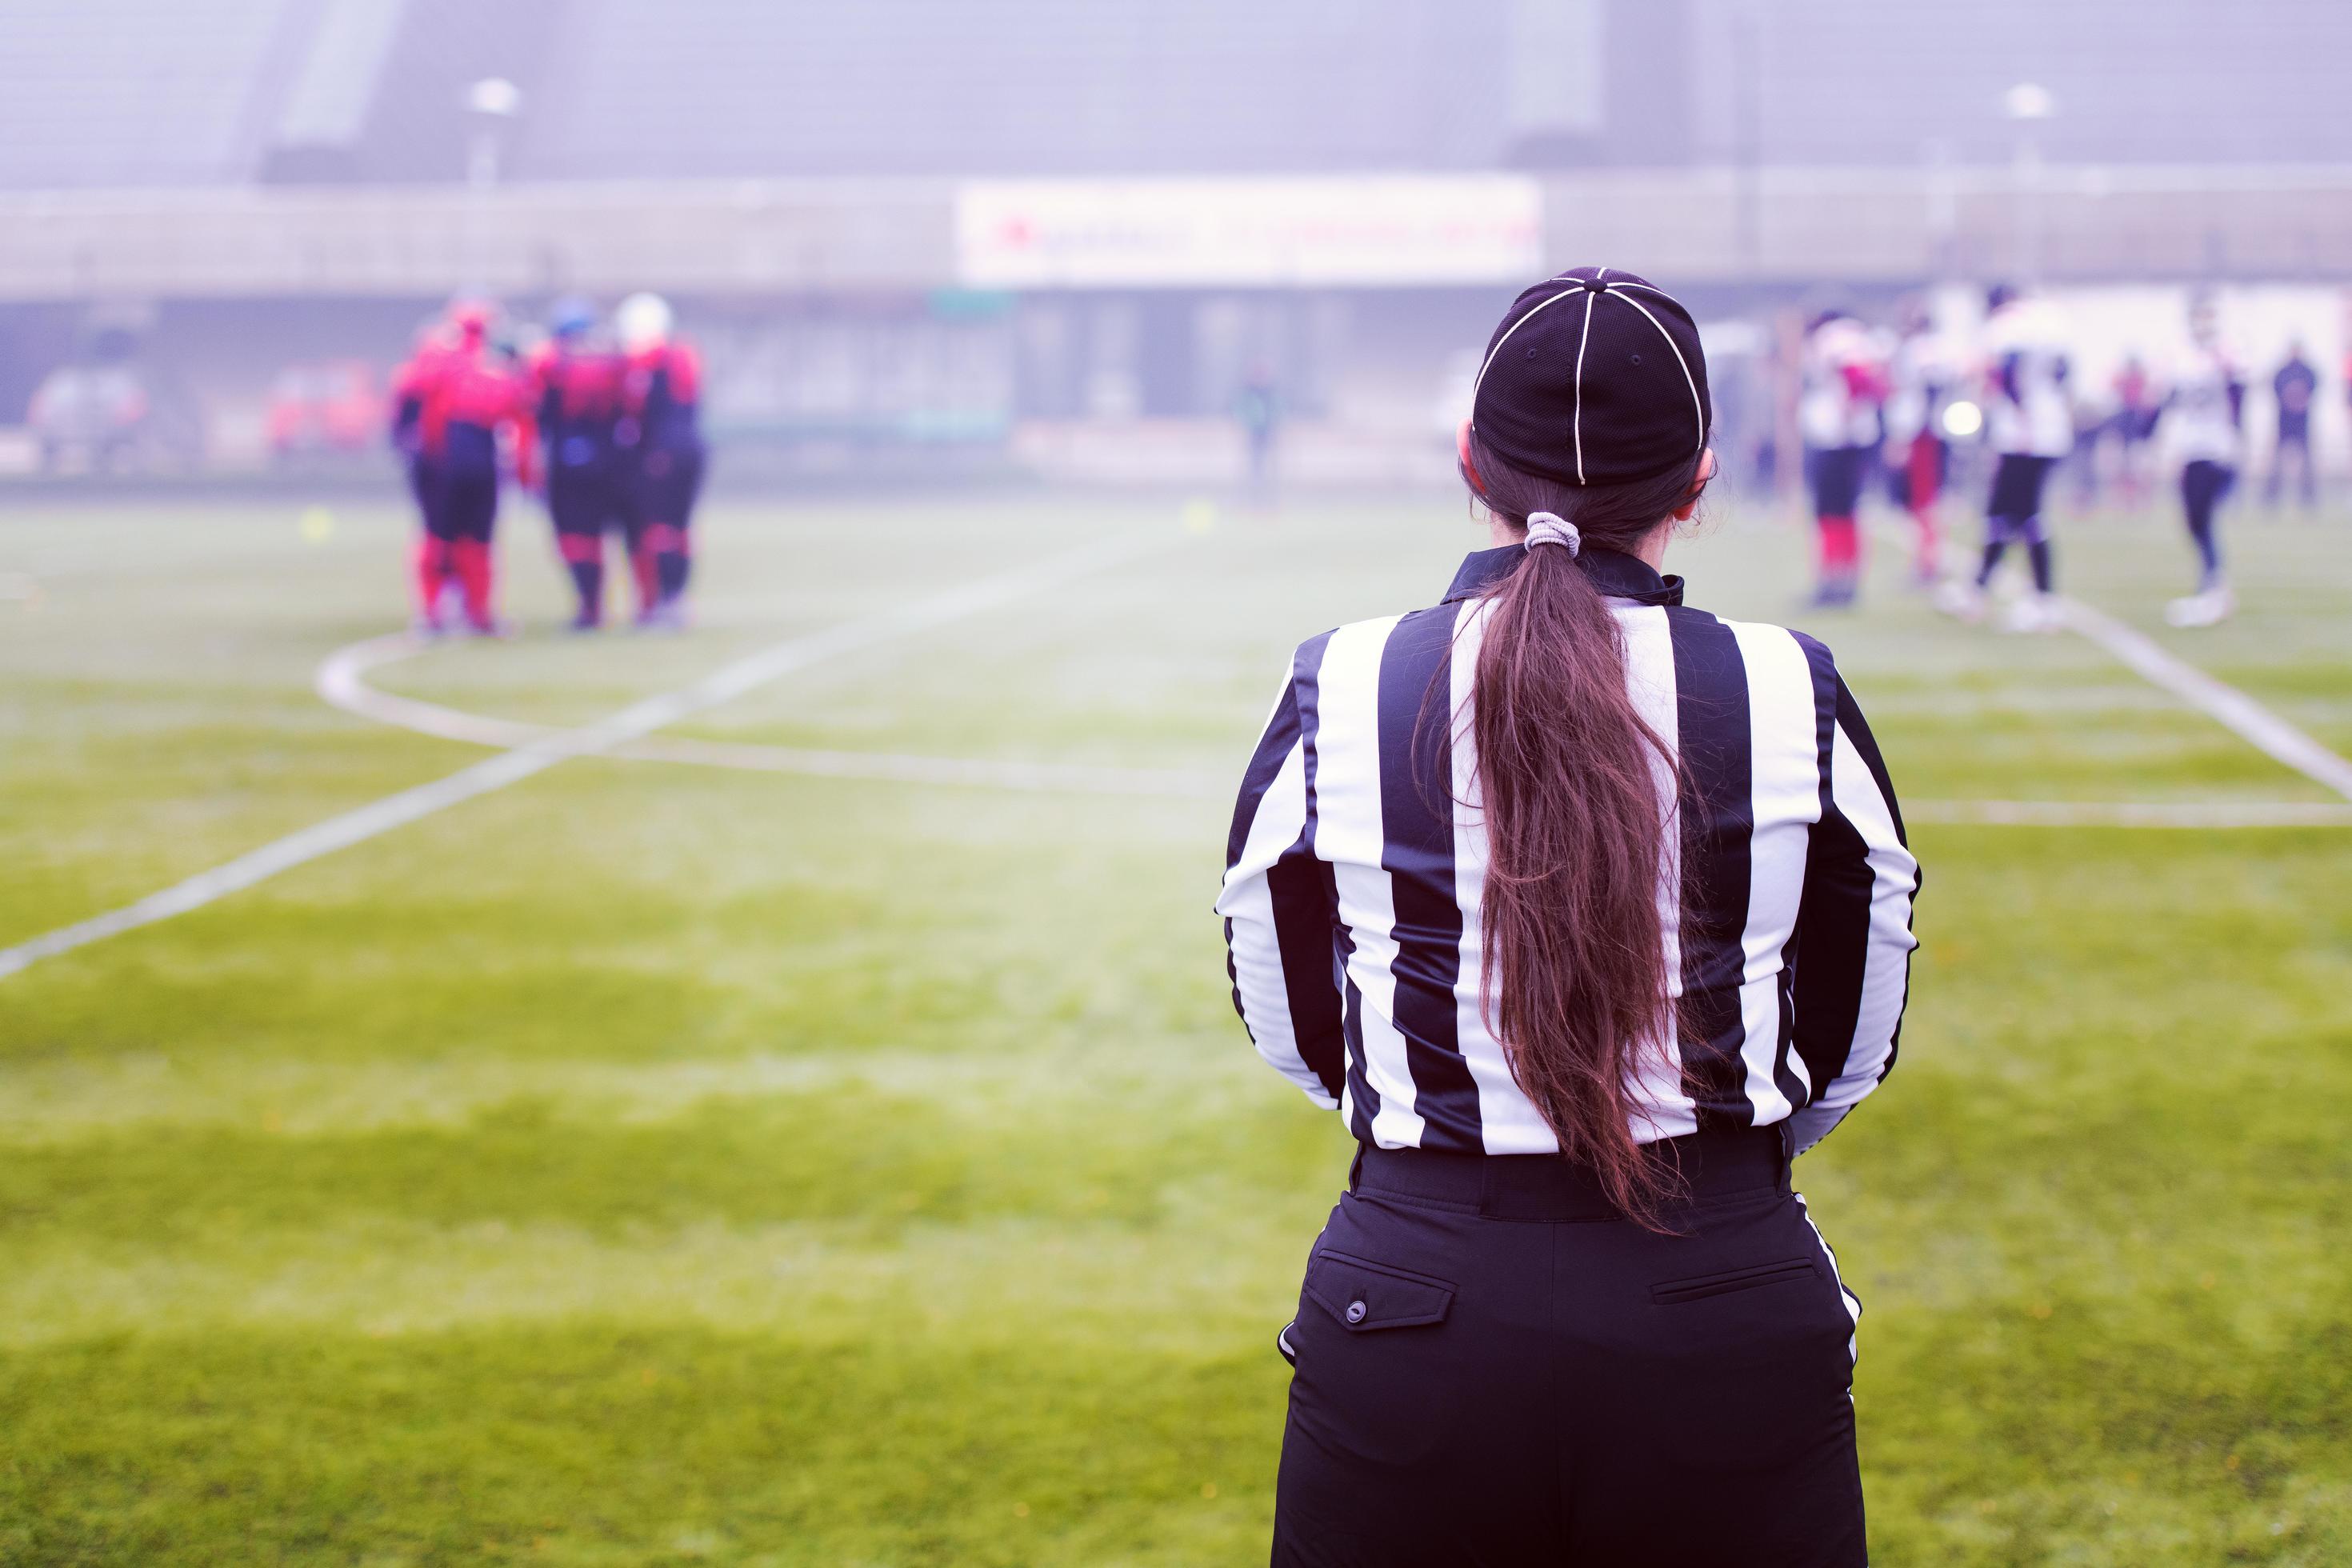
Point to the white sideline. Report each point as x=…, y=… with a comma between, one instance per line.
x=2244, y=717
x=2249, y=718
x=538, y=754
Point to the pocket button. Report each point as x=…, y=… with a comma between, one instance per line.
x=1355, y=1312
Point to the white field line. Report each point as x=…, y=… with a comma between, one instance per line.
x=2128, y=813
x=980, y=773
x=2249, y=719
x=2269, y=734
x=343, y=682
x=537, y=755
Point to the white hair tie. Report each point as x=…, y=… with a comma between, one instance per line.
x=1550, y=528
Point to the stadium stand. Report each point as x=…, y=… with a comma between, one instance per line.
x=305, y=174
x=650, y=87
x=2135, y=81
x=321, y=125
x=164, y=92
x=416, y=129
x=744, y=87
x=139, y=92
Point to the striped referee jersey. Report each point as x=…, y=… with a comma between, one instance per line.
x=1357, y=855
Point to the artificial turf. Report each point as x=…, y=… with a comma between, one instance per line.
x=659, y=1164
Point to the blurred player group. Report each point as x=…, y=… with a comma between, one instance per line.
x=1873, y=402
x=604, y=425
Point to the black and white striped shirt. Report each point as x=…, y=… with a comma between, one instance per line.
x=1358, y=854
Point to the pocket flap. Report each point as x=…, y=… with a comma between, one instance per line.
x=1363, y=1296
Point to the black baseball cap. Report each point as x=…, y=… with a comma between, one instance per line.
x=1595, y=377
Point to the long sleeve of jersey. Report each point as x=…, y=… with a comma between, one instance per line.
x=1854, y=931
x=1281, y=913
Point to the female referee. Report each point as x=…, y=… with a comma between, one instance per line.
x=1588, y=911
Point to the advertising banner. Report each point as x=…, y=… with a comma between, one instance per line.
x=1342, y=231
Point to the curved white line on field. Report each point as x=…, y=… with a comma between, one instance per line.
x=514, y=765
x=341, y=681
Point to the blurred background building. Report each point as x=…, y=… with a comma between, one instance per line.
x=1064, y=235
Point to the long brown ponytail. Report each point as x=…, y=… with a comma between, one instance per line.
x=1576, y=981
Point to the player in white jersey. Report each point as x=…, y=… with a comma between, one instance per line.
x=2032, y=426
x=2202, y=428
x=1838, y=414
x=1924, y=376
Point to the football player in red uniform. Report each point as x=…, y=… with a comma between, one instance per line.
x=577, y=387
x=663, y=436
x=467, y=396
x=1924, y=374
x=410, y=384
x=1838, y=412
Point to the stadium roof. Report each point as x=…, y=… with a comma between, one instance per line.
x=135, y=92
x=181, y=92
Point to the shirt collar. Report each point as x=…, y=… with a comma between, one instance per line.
x=1616, y=573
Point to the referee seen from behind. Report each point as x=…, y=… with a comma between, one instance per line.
x=1587, y=911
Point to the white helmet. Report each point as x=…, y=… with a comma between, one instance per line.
x=643, y=322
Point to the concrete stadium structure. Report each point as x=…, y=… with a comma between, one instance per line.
x=250, y=182
x=1810, y=225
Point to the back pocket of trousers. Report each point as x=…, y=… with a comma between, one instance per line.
x=1379, y=1381
x=1673, y=1292
x=1365, y=1297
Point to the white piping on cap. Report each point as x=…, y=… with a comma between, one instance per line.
x=1576, y=419
x=1600, y=275
x=1699, y=409
x=1505, y=338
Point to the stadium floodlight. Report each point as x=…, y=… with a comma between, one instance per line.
x=2028, y=103
x=2029, y=100
x=1962, y=419
x=495, y=96
x=495, y=102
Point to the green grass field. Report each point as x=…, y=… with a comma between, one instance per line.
x=651, y=1163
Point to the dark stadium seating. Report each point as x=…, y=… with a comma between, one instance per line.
x=176, y=92
x=137, y=92
x=740, y=87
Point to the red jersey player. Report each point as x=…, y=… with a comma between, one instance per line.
x=663, y=438
x=464, y=396
x=1838, y=414
x=1922, y=377
x=577, y=388
x=410, y=384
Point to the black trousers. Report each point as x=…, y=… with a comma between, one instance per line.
x=1838, y=474
x=424, y=487
x=2014, y=512
x=2203, y=486
x=467, y=506
x=669, y=480
x=466, y=486
x=1491, y=1368
x=585, y=498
